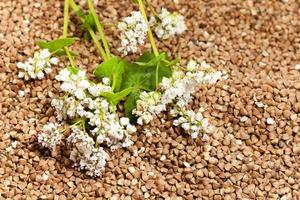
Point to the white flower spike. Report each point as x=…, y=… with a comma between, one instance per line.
x=168, y=24
x=133, y=32
x=38, y=66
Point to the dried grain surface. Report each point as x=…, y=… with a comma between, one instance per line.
x=253, y=155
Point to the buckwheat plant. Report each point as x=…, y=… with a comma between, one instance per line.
x=88, y=121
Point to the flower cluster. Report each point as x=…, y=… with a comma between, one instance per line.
x=167, y=24
x=133, y=32
x=50, y=137
x=37, y=66
x=192, y=122
x=97, y=126
x=148, y=106
x=84, y=153
x=175, y=94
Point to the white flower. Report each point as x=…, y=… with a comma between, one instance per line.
x=37, y=66
x=84, y=84
x=54, y=61
x=124, y=121
x=148, y=106
x=133, y=32
x=85, y=155
x=168, y=24
x=50, y=136
x=97, y=89
x=176, y=93
x=130, y=128
x=63, y=75
x=127, y=143
x=40, y=75
x=105, y=81
x=75, y=84
x=79, y=94
x=192, y=65
x=44, y=54
x=192, y=122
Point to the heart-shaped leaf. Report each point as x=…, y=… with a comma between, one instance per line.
x=130, y=104
x=115, y=98
x=149, y=59
x=139, y=77
x=55, y=45
x=113, y=69
x=62, y=52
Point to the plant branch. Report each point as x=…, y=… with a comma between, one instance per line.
x=151, y=8
x=97, y=43
x=65, y=31
x=99, y=28
x=75, y=8
x=150, y=35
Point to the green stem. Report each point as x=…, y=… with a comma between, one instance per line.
x=97, y=43
x=75, y=8
x=99, y=28
x=83, y=125
x=66, y=18
x=143, y=88
x=65, y=31
x=150, y=35
x=114, y=81
x=70, y=57
x=156, y=74
x=151, y=8
x=76, y=123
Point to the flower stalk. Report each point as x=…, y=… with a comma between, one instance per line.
x=150, y=35
x=151, y=8
x=104, y=56
x=65, y=31
x=99, y=28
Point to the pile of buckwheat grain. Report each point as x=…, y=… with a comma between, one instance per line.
x=254, y=154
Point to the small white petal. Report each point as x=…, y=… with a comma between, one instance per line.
x=124, y=121
x=105, y=81
x=54, y=61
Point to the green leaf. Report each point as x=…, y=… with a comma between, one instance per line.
x=168, y=62
x=55, y=45
x=159, y=66
x=113, y=69
x=163, y=71
x=130, y=104
x=62, y=52
x=146, y=57
x=144, y=77
x=139, y=77
x=88, y=21
x=80, y=13
x=87, y=36
x=150, y=59
x=115, y=98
